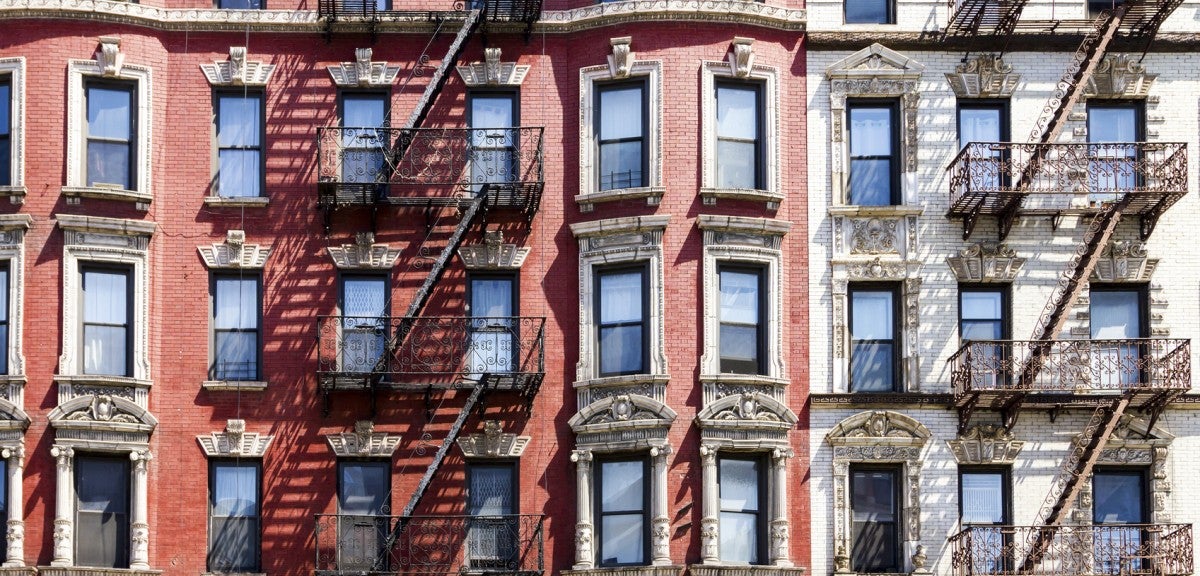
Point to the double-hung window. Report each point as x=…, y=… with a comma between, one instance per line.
x=743, y=515
x=875, y=508
x=493, y=117
x=237, y=337
x=621, y=115
x=364, y=144
x=1118, y=323
x=622, y=329
x=6, y=98
x=874, y=152
x=233, y=531
x=984, y=507
x=1114, y=128
x=4, y=331
x=111, y=134
x=240, y=130
x=493, y=325
x=983, y=317
x=985, y=121
x=494, y=532
x=870, y=11
x=364, y=306
x=364, y=498
x=1119, y=500
x=874, y=338
x=623, y=517
x=739, y=135
x=102, y=486
x=743, y=329
x=107, y=320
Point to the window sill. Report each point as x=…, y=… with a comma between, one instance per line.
x=234, y=386
x=627, y=380
x=744, y=570
x=101, y=380
x=18, y=570
x=90, y=571
x=882, y=399
x=709, y=196
x=668, y=570
x=237, y=202
x=16, y=194
x=652, y=194
x=141, y=199
x=893, y=211
x=732, y=378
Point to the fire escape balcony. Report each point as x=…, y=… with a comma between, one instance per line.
x=1007, y=178
x=443, y=544
x=1114, y=549
x=376, y=11
x=445, y=352
x=430, y=167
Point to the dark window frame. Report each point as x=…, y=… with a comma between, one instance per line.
x=212, y=491
x=760, y=152
x=1143, y=473
x=123, y=544
x=1143, y=299
x=897, y=472
x=130, y=314
x=1139, y=125
x=513, y=94
x=895, y=158
x=1006, y=476
x=761, y=520
x=599, y=513
x=897, y=339
x=214, y=279
x=262, y=5
x=6, y=178
x=506, y=528
x=384, y=463
x=889, y=17
x=385, y=95
x=514, y=277
x=248, y=94
x=6, y=322
x=514, y=466
x=643, y=84
x=1005, y=291
x=1003, y=105
x=763, y=315
x=132, y=87
x=642, y=268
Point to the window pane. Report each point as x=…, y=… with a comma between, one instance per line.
x=979, y=125
x=102, y=506
x=5, y=161
x=4, y=295
x=621, y=349
x=871, y=367
x=872, y=313
x=871, y=131
x=108, y=163
x=241, y=4
x=238, y=175
x=737, y=112
x=739, y=484
x=736, y=164
x=363, y=110
x=104, y=350
x=739, y=537
x=982, y=306
x=235, y=490
x=234, y=545
x=621, y=113
x=108, y=113
x=239, y=120
x=739, y=297
x=491, y=490
x=867, y=12
x=363, y=297
x=874, y=547
x=491, y=297
x=1115, y=314
x=981, y=330
x=1118, y=497
x=236, y=303
x=739, y=343
x=982, y=497
x=236, y=356
x=1112, y=124
x=5, y=109
x=875, y=518
x=871, y=182
x=491, y=112
x=621, y=542
x=623, y=486
x=621, y=165
x=874, y=496
x=364, y=488
x=621, y=297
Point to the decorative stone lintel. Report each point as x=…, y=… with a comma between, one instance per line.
x=984, y=76
x=74, y=193
x=364, y=254
x=364, y=72
x=620, y=62
x=493, y=254
x=238, y=70
x=102, y=225
x=235, y=253
x=235, y=441
x=986, y=262
x=629, y=224
x=364, y=441
x=15, y=222
x=885, y=211
x=744, y=225
x=985, y=444
x=493, y=443
x=493, y=72
x=709, y=196
x=652, y=194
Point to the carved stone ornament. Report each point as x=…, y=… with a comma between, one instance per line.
x=986, y=262
x=364, y=441
x=235, y=441
x=235, y=253
x=102, y=422
x=493, y=443
x=622, y=422
x=493, y=254
x=620, y=62
x=985, y=444
x=984, y=76
x=364, y=254
x=741, y=56
x=1119, y=76
x=874, y=236
x=109, y=57
x=750, y=420
x=238, y=70
x=492, y=71
x=877, y=269
x=1124, y=261
x=879, y=425
x=362, y=72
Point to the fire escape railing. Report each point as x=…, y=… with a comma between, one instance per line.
x=1117, y=550
x=511, y=544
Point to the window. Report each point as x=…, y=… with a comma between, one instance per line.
x=4, y=332
x=621, y=113
x=364, y=305
x=233, y=531
x=364, y=497
x=743, y=522
x=236, y=335
x=875, y=349
x=241, y=4
x=1118, y=321
x=110, y=134
x=1095, y=7
x=983, y=315
x=363, y=147
x=875, y=507
x=107, y=319
x=985, y=121
x=874, y=157
x=983, y=501
x=364, y=7
x=739, y=135
x=493, y=531
x=1113, y=128
x=102, y=511
x=6, y=98
x=240, y=128
x=1119, y=499
x=493, y=324
x=492, y=117
x=742, y=333
x=624, y=526
x=870, y=12
x=622, y=310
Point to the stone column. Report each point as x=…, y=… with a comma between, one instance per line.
x=15, y=554
x=584, y=557
x=780, y=542
x=710, y=535
x=660, y=531
x=64, y=506
x=139, y=533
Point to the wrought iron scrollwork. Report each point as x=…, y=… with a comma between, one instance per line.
x=1125, y=549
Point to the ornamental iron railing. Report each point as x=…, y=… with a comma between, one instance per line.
x=445, y=544
x=355, y=351
x=1114, y=549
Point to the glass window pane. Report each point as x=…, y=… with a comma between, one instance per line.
x=3, y=295
x=872, y=315
x=623, y=488
x=982, y=306
x=621, y=112
x=977, y=330
x=1115, y=124
x=236, y=356
x=871, y=367
x=102, y=484
x=871, y=131
x=621, y=350
x=491, y=490
x=982, y=497
x=871, y=182
x=874, y=497
x=979, y=125
x=236, y=303
x=104, y=350
x=622, y=541
x=241, y=4
x=234, y=545
x=491, y=112
x=364, y=488
x=1115, y=314
x=739, y=296
x=108, y=113
x=621, y=165
x=364, y=297
x=1118, y=497
x=867, y=12
x=737, y=112
x=874, y=547
x=621, y=297
x=739, y=343
x=239, y=120
x=739, y=537
x=5, y=109
x=363, y=110
x=739, y=484
x=736, y=164
x=238, y=175
x=491, y=297
x=108, y=163
x=5, y=161
x=235, y=489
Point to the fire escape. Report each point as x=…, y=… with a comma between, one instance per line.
x=468, y=173
x=1104, y=183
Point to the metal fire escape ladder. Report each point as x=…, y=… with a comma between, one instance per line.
x=438, y=80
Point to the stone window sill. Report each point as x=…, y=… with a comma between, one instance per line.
x=234, y=386
x=668, y=570
x=140, y=199
x=90, y=571
x=623, y=380
x=756, y=379
x=652, y=194
x=101, y=380
x=16, y=194
x=238, y=202
x=744, y=570
x=709, y=196
x=895, y=211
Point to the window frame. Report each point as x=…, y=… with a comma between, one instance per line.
x=1143, y=473
x=1006, y=494
x=897, y=340
x=130, y=314
x=1005, y=291
x=760, y=147
x=598, y=91
x=386, y=464
x=764, y=299
x=123, y=545
x=259, y=95
x=384, y=94
x=763, y=512
x=643, y=268
x=6, y=265
x=7, y=136
x=1143, y=299
x=599, y=513
x=896, y=194
x=897, y=472
x=132, y=173
x=1002, y=105
x=214, y=278
x=213, y=464
x=889, y=16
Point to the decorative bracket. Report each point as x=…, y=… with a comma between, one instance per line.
x=621, y=60
x=364, y=72
x=235, y=253
x=364, y=254
x=238, y=70
x=109, y=57
x=493, y=253
x=741, y=56
x=235, y=441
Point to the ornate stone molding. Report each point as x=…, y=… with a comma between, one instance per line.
x=235, y=253
x=748, y=421
x=1119, y=76
x=364, y=254
x=985, y=444
x=493, y=254
x=984, y=76
x=741, y=56
x=739, y=63
x=102, y=422
x=493, y=443
x=109, y=57
x=620, y=62
x=986, y=262
x=648, y=385
x=13, y=69
x=238, y=70
x=867, y=234
x=599, y=15
x=235, y=441
x=625, y=422
x=873, y=72
x=12, y=250
x=363, y=72
x=363, y=442
x=493, y=72
x=1124, y=261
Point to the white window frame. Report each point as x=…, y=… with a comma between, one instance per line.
x=767, y=78
x=14, y=68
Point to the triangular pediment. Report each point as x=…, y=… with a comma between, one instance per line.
x=875, y=61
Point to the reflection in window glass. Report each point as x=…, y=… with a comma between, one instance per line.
x=738, y=141
x=234, y=533
x=873, y=340
x=622, y=510
x=110, y=132
x=621, y=135
x=621, y=325
x=873, y=161
x=740, y=522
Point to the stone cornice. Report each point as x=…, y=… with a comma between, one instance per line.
x=102, y=225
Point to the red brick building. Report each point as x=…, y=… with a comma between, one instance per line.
x=540, y=306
